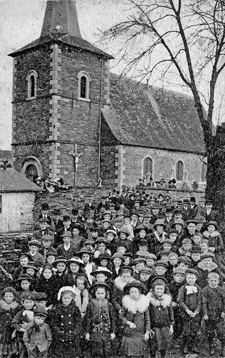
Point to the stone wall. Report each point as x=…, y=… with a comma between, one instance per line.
x=17, y=211
x=164, y=165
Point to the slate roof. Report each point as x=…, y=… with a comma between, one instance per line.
x=153, y=117
x=12, y=181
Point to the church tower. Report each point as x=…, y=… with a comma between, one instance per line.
x=60, y=85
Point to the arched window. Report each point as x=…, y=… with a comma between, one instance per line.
x=147, y=166
x=83, y=85
x=180, y=170
x=32, y=168
x=203, y=172
x=31, y=172
x=32, y=84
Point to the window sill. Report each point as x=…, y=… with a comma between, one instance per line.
x=84, y=99
x=30, y=98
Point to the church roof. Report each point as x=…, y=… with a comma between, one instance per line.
x=12, y=181
x=61, y=25
x=140, y=115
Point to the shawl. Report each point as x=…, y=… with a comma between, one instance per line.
x=8, y=306
x=136, y=306
x=164, y=301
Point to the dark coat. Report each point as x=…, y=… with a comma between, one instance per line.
x=103, y=321
x=49, y=287
x=155, y=245
x=203, y=273
x=67, y=254
x=7, y=312
x=40, y=338
x=161, y=310
x=38, y=259
x=60, y=280
x=213, y=302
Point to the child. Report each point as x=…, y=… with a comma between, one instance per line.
x=20, y=322
x=8, y=308
x=82, y=295
x=204, y=246
x=102, y=244
x=60, y=275
x=144, y=277
x=47, y=245
x=174, y=286
x=213, y=303
x=183, y=262
x=172, y=263
x=89, y=266
x=135, y=319
x=24, y=259
x=104, y=260
x=189, y=300
x=36, y=257
x=123, y=236
x=204, y=267
x=195, y=256
x=215, y=242
x=47, y=284
x=100, y=321
x=37, y=336
x=24, y=284
x=66, y=250
x=185, y=249
x=158, y=237
x=197, y=239
x=117, y=261
x=77, y=238
x=127, y=258
x=111, y=239
x=75, y=266
x=160, y=270
x=151, y=260
x=102, y=275
x=161, y=316
x=66, y=325
x=50, y=258
x=167, y=246
x=138, y=264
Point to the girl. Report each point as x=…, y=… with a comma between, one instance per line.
x=189, y=300
x=82, y=295
x=117, y=261
x=77, y=238
x=60, y=274
x=215, y=242
x=136, y=321
x=89, y=266
x=161, y=316
x=47, y=284
x=8, y=308
x=75, y=265
x=102, y=244
x=158, y=236
x=24, y=284
x=66, y=325
x=100, y=321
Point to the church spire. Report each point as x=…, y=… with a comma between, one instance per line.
x=61, y=16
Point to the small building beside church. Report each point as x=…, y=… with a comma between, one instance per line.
x=17, y=196
x=72, y=117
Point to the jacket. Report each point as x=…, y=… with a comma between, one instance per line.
x=161, y=310
x=40, y=338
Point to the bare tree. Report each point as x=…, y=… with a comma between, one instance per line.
x=188, y=37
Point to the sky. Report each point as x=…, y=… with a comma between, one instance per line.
x=21, y=22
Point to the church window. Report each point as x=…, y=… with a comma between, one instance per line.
x=180, y=171
x=203, y=172
x=147, y=167
x=32, y=84
x=32, y=168
x=83, y=85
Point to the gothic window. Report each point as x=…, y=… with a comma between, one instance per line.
x=203, y=172
x=180, y=170
x=147, y=166
x=83, y=85
x=32, y=84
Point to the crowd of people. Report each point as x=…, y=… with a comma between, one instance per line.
x=130, y=276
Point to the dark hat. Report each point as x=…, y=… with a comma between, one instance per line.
x=25, y=276
x=169, y=209
x=162, y=253
x=214, y=223
x=124, y=230
x=184, y=259
x=89, y=242
x=126, y=213
x=28, y=296
x=200, y=219
x=140, y=227
x=167, y=241
x=51, y=253
x=206, y=255
x=32, y=266
x=47, y=266
x=178, y=222
x=159, y=222
x=60, y=259
x=192, y=271
x=103, y=270
x=146, y=269
x=40, y=296
x=77, y=226
x=191, y=221
x=67, y=234
x=209, y=202
x=34, y=243
x=102, y=240
x=106, y=221
x=186, y=201
x=161, y=263
x=127, y=254
x=75, y=260
x=84, y=250
x=135, y=284
x=45, y=206
x=135, y=212
x=178, y=270
x=41, y=311
x=81, y=275
x=138, y=260
x=160, y=280
x=104, y=256
x=117, y=255
x=43, y=220
x=192, y=199
x=195, y=249
x=123, y=269
x=96, y=285
x=47, y=238
x=143, y=242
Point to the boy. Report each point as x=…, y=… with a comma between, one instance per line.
x=144, y=277
x=215, y=241
x=185, y=249
x=138, y=264
x=204, y=267
x=160, y=270
x=183, y=262
x=66, y=250
x=195, y=256
x=37, y=258
x=47, y=245
x=197, y=239
x=174, y=286
x=24, y=259
x=213, y=302
x=167, y=245
x=189, y=301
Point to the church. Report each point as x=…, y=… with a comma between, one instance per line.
x=74, y=119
